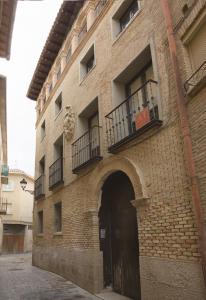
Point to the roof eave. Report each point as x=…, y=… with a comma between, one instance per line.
x=49, y=53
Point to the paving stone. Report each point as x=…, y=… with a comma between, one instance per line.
x=19, y=280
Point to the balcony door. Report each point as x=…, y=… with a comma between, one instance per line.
x=93, y=125
x=139, y=93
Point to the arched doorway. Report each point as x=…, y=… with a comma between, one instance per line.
x=118, y=234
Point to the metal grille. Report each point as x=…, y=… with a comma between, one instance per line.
x=39, y=187
x=196, y=77
x=133, y=114
x=56, y=173
x=3, y=206
x=86, y=148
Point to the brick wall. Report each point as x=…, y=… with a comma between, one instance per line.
x=166, y=225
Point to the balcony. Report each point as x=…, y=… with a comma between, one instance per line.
x=3, y=206
x=56, y=173
x=39, y=187
x=135, y=115
x=86, y=149
x=197, y=80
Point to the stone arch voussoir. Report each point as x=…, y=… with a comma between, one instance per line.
x=109, y=166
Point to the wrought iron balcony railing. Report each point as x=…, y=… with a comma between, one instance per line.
x=138, y=113
x=197, y=77
x=56, y=173
x=86, y=149
x=39, y=187
x=3, y=206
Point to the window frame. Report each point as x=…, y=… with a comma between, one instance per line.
x=43, y=130
x=82, y=31
x=89, y=56
x=69, y=54
x=58, y=108
x=58, y=217
x=125, y=8
x=59, y=73
x=40, y=223
x=128, y=15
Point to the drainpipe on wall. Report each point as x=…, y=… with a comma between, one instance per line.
x=187, y=142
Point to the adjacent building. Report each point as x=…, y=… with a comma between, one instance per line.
x=16, y=229
x=115, y=177
x=7, y=15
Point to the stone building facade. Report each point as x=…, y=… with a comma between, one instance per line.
x=113, y=202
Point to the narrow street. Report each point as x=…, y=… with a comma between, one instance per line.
x=19, y=280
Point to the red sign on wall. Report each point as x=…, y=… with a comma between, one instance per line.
x=142, y=118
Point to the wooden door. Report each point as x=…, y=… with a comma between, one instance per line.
x=13, y=238
x=119, y=242
x=13, y=244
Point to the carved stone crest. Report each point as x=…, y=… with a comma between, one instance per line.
x=69, y=123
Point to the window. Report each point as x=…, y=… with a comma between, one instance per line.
x=90, y=64
x=43, y=130
x=124, y=15
x=128, y=15
x=42, y=166
x=82, y=32
x=87, y=63
x=197, y=55
x=69, y=54
x=100, y=6
x=58, y=73
x=56, y=169
x=44, y=100
x=50, y=88
x=40, y=221
x=86, y=149
x=58, y=104
x=135, y=102
x=8, y=187
x=58, y=148
x=58, y=217
x=197, y=48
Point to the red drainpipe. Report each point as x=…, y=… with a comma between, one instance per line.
x=187, y=142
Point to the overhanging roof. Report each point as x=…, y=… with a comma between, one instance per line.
x=7, y=14
x=62, y=25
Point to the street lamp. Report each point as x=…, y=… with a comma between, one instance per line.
x=23, y=184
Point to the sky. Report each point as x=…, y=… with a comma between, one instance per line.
x=32, y=25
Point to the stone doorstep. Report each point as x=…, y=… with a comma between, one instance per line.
x=108, y=294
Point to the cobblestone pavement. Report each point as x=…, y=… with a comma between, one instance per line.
x=19, y=280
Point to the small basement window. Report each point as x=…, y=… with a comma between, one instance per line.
x=87, y=63
x=58, y=104
x=58, y=216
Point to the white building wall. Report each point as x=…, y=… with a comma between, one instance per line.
x=19, y=206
